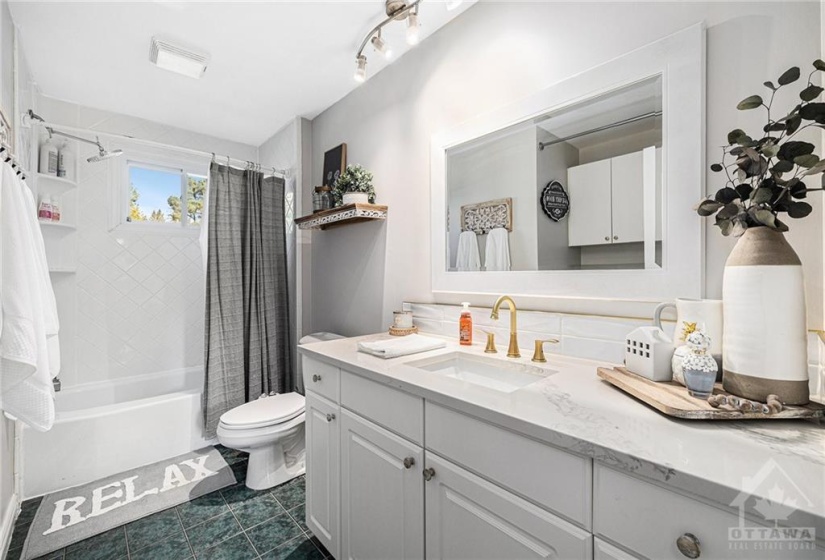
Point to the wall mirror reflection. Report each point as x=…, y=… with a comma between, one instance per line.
x=575, y=188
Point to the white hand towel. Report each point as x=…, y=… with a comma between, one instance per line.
x=467, y=258
x=393, y=348
x=29, y=314
x=497, y=255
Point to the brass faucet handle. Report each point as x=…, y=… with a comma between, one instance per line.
x=491, y=342
x=538, y=354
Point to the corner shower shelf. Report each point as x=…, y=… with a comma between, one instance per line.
x=342, y=215
x=61, y=183
x=62, y=270
x=59, y=225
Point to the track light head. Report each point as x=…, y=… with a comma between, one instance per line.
x=413, y=29
x=381, y=46
x=360, y=68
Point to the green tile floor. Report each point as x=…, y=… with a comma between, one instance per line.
x=235, y=523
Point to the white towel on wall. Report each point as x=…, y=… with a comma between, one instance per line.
x=29, y=351
x=497, y=255
x=467, y=257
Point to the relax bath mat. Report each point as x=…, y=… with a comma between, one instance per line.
x=78, y=513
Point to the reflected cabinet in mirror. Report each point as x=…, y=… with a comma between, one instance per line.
x=565, y=190
x=582, y=190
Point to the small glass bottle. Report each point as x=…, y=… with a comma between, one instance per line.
x=327, y=200
x=316, y=200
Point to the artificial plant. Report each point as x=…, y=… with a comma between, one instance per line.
x=354, y=179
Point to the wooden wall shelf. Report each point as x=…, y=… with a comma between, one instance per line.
x=342, y=215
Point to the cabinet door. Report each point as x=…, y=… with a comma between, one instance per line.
x=589, y=221
x=382, y=493
x=323, y=470
x=470, y=518
x=627, y=180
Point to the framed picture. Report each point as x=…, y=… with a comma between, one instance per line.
x=335, y=161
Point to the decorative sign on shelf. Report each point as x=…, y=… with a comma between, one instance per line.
x=554, y=201
x=484, y=216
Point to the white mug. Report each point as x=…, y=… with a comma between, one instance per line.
x=704, y=314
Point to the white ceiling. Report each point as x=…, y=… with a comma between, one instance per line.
x=270, y=61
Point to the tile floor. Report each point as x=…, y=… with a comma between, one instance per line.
x=235, y=523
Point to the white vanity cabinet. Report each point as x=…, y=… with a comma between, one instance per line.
x=606, y=201
x=470, y=517
x=323, y=469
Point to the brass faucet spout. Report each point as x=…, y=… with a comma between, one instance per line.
x=512, y=351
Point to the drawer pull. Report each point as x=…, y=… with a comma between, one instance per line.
x=429, y=473
x=330, y=417
x=316, y=378
x=688, y=545
x=409, y=462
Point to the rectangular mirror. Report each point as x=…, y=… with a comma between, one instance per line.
x=584, y=189
x=566, y=187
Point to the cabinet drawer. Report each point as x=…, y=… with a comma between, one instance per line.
x=395, y=410
x=648, y=519
x=553, y=478
x=321, y=378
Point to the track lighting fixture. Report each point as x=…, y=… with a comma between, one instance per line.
x=381, y=46
x=413, y=28
x=396, y=10
x=361, y=68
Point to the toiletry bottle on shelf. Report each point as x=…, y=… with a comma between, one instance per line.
x=465, y=326
x=61, y=163
x=44, y=211
x=55, y=209
x=68, y=158
x=48, y=157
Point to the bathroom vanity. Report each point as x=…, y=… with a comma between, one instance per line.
x=455, y=453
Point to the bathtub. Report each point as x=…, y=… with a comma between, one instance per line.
x=106, y=428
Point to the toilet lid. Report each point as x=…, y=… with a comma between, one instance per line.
x=264, y=412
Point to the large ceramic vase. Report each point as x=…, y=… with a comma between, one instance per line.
x=765, y=348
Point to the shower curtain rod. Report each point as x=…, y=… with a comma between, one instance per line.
x=215, y=157
x=652, y=114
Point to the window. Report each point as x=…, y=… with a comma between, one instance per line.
x=164, y=195
x=159, y=189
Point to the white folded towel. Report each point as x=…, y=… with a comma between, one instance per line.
x=28, y=313
x=393, y=348
x=467, y=257
x=497, y=255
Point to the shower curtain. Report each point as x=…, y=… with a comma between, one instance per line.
x=247, y=339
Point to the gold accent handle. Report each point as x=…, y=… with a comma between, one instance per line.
x=538, y=354
x=491, y=342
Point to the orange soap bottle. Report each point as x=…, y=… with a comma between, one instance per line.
x=465, y=326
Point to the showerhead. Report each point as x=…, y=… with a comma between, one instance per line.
x=103, y=154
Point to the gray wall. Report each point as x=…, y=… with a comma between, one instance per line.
x=552, y=164
x=497, y=53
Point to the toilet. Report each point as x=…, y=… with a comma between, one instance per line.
x=271, y=430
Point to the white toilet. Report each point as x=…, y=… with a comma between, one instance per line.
x=271, y=430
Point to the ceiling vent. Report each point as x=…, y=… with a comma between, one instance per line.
x=177, y=59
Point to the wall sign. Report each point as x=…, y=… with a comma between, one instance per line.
x=554, y=201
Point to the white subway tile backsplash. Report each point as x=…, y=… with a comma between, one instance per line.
x=602, y=328
x=593, y=349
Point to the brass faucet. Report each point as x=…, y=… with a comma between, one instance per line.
x=512, y=351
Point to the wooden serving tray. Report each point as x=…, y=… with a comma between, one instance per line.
x=673, y=399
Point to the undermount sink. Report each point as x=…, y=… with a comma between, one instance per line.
x=492, y=373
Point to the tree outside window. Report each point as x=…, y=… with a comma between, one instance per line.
x=159, y=195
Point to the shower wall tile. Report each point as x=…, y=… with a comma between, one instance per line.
x=139, y=295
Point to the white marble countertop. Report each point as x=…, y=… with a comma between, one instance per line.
x=575, y=410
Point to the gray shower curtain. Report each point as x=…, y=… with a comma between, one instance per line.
x=247, y=335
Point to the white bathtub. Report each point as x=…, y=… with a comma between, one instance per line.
x=106, y=428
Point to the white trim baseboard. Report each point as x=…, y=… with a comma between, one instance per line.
x=10, y=513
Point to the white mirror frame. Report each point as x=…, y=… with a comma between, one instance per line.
x=680, y=59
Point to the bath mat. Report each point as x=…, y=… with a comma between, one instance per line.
x=78, y=513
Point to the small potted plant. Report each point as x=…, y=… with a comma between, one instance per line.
x=354, y=186
x=767, y=175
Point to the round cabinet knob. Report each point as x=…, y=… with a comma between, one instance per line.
x=615, y=238
x=688, y=545
x=607, y=238
x=330, y=417
x=429, y=473
x=316, y=378
x=409, y=462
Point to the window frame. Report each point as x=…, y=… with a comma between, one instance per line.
x=160, y=159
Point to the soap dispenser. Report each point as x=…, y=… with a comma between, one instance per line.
x=465, y=325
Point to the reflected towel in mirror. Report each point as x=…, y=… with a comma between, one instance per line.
x=467, y=257
x=497, y=254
